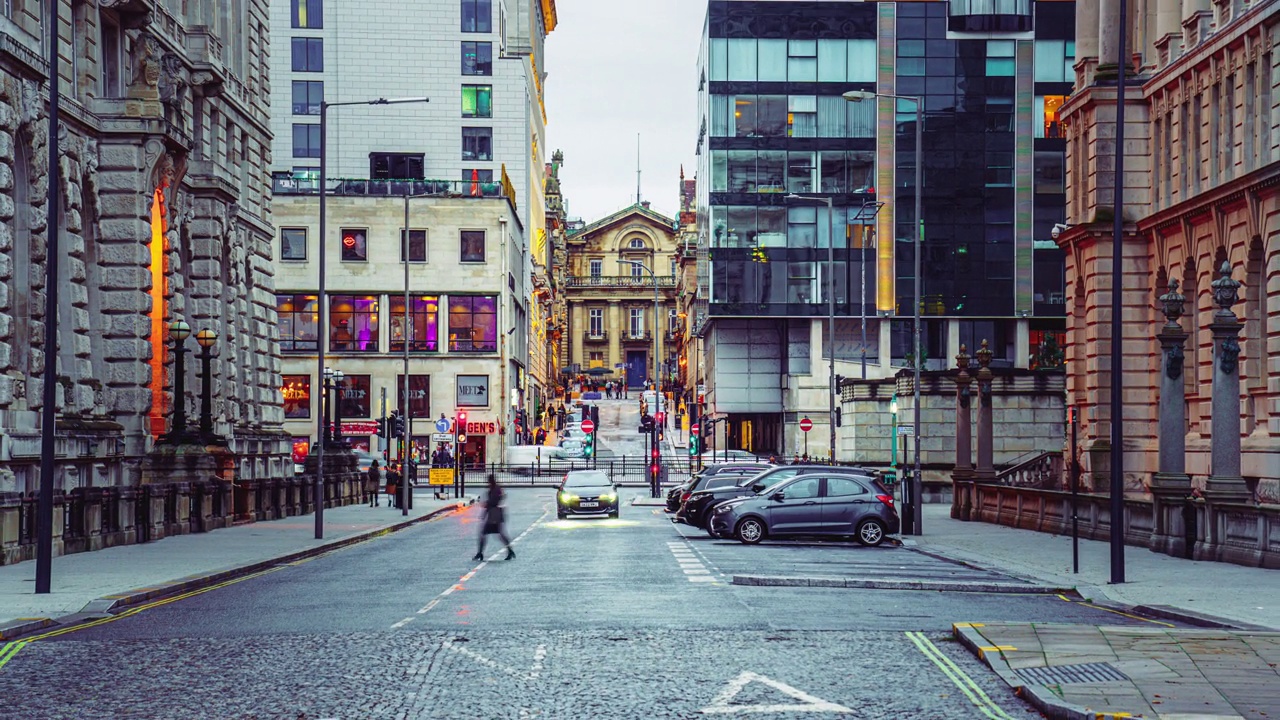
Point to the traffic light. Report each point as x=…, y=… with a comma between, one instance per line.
x=382, y=427
x=693, y=445
x=399, y=425
x=460, y=425
x=653, y=462
x=660, y=417
x=839, y=416
x=589, y=444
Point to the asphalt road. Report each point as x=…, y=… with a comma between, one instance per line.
x=595, y=618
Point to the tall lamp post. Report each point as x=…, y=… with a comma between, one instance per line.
x=206, y=338
x=657, y=402
x=179, y=331
x=323, y=311
x=917, y=483
x=831, y=316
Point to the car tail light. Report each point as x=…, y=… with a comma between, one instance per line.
x=685, y=496
x=886, y=499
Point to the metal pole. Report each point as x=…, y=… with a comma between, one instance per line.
x=1075, y=496
x=407, y=460
x=831, y=331
x=917, y=482
x=48, y=411
x=1117, y=308
x=322, y=318
x=862, y=285
x=657, y=394
x=179, y=431
x=206, y=394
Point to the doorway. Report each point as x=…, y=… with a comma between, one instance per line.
x=637, y=363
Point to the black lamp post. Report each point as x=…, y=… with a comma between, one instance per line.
x=326, y=399
x=179, y=331
x=338, y=377
x=206, y=338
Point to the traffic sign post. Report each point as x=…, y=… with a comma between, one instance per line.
x=805, y=426
x=588, y=427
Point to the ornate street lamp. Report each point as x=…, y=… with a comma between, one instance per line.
x=206, y=338
x=338, y=377
x=326, y=411
x=179, y=331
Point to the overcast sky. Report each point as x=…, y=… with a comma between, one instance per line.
x=616, y=68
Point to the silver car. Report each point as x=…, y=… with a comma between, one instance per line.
x=824, y=504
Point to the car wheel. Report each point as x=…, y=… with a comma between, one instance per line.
x=613, y=515
x=871, y=532
x=750, y=531
x=559, y=516
x=710, y=531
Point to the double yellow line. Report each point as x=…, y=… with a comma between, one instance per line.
x=975, y=694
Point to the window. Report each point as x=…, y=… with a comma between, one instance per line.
x=354, y=398
x=1049, y=171
x=472, y=246
x=596, y=359
x=477, y=101
x=477, y=58
x=473, y=391
x=742, y=59
x=637, y=270
x=1054, y=59
x=355, y=245
x=636, y=326
x=999, y=169
x=477, y=16
x=1047, y=109
x=473, y=323
x=296, y=390
x=417, y=245
x=674, y=264
x=771, y=57
x=112, y=49
x=293, y=243
x=802, y=283
x=597, y=267
x=840, y=487
x=353, y=323
x=308, y=55
x=832, y=60
x=423, y=310
x=803, y=488
x=862, y=62
x=802, y=60
x=672, y=321
x=1000, y=59
x=802, y=116
x=802, y=227
x=396, y=166
x=307, y=96
x=477, y=143
x=1000, y=114
x=299, y=322
x=306, y=141
x=477, y=175
x=308, y=13
x=419, y=395
x=595, y=322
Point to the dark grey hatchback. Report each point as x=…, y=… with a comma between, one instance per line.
x=827, y=504
x=587, y=492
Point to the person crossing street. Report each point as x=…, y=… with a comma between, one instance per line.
x=494, y=520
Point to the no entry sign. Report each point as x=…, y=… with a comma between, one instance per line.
x=806, y=425
x=588, y=427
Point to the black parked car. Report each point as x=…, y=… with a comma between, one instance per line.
x=677, y=494
x=824, y=504
x=697, y=508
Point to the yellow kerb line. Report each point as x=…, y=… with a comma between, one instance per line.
x=966, y=685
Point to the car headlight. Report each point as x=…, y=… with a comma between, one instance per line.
x=608, y=497
x=568, y=497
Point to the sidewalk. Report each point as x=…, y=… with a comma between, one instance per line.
x=1240, y=594
x=130, y=574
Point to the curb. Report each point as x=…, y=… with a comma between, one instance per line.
x=893, y=584
x=1040, y=697
x=108, y=603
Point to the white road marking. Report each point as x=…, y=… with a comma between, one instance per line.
x=539, y=655
x=402, y=623
x=721, y=704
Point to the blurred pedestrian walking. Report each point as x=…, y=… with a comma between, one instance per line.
x=494, y=520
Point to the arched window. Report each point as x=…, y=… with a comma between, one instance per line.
x=636, y=244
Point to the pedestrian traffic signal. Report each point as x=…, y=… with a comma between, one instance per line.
x=693, y=445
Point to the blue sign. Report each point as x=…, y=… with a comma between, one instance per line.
x=442, y=425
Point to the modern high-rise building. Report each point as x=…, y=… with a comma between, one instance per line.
x=778, y=140
x=470, y=159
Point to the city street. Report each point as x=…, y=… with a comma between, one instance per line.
x=594, y=618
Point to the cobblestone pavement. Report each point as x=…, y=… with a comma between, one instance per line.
x=593, y=619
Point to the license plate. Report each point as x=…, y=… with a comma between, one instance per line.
x=589, y=504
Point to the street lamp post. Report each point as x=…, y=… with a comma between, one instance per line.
x=338, y=377
x=831, y=317
x=917, y=483
x=657, y=401
x=206, y=338
x=322, y=310
x=179, y=331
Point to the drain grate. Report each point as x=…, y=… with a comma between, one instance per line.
x=1072, y=674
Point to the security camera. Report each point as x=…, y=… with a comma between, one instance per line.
x=1058, y=229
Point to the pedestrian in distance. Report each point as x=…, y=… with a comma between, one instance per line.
x=541, y=438
x=393, y=485
x=371, y=483
x=494, y=520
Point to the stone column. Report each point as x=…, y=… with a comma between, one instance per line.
x=577, y=331
x=1086, y=29
x=985, y=471
x=613, y=326
x=962, y=475
x=1171, y=485
x=1225, y=483
x=1108, y=39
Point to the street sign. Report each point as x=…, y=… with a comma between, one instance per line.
x=442, y=425
x=806, y=425
x=441, y=438
x=440, y=476
x=588, y=427
x=462, y=439
x=693, y=429
x=904, y=430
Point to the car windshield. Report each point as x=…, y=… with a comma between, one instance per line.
x=586, y=479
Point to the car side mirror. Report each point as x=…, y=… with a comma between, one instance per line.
x=779, y=497
x=757, y=487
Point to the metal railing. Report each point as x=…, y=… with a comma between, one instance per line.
x=629, y=281
x=288, y=184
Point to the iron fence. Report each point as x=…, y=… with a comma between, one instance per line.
x=625, y=471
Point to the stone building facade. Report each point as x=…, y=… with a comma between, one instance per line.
x=610, y=302
x=1201, y=187
x=165, y=215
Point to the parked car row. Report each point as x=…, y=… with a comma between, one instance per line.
x=753, y=501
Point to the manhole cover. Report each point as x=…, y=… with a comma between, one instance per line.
x=1072, y=674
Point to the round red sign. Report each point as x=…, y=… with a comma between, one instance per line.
x=588, y=427
x=693, y=429
x=806, y=425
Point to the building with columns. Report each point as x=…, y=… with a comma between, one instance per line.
x=164, y=216
x=610, y=301
x=1201, y=187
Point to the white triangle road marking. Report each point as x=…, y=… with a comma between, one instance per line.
x=720, y=705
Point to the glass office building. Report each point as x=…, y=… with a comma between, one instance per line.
x=774, y=124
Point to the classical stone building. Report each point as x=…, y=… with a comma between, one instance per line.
x=548, y=319
x=610, y=301
x=164, y=216
x=1200, y=190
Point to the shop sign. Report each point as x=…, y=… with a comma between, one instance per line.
x=481, y=428
x=360, y=427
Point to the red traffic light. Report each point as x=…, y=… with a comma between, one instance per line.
x=654, y=453
x=660, y=417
